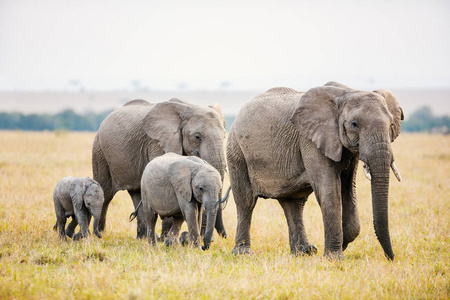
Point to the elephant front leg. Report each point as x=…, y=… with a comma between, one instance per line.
x=81, y=216
x=298, y=241
x=330, y=203
x=350, y=215
x=191, y=213
x=220, y=228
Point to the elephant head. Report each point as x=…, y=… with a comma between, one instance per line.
x=89, y=195
x=335, y=117
x=194, y=179
x=187, y=129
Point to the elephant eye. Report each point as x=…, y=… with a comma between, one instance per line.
x=355, y=124
x=200, y=188
x=198, y=137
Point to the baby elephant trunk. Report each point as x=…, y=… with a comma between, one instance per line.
x=211, y=213
x=96, y=221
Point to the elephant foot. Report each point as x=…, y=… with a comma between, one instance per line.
x=69, y=233
x=77, y=236
x=184, y=238
x=309, y=249
x=98, y=234
x=334, y=255
x=242, y=249
x=141, y=232
x=160, y=238
x=222, y=233
x=171, y=241
x=101, y=225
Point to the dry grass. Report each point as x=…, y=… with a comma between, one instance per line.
x=35, y=264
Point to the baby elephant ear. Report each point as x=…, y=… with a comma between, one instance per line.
x=180, y=176
x=163, y=123
x=316, y=118
x=396, y=111
x=77, y=191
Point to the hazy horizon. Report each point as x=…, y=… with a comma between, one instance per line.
x=230, y=101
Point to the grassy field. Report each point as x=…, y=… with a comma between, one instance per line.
x=34, y=263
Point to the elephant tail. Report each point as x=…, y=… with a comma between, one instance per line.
x=55, y=228
x=134, y=213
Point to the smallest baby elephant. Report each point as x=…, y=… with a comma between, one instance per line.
x=79, y=198
x=177, y=186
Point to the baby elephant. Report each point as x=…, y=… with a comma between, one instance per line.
x=177, y=186
x=79, y=198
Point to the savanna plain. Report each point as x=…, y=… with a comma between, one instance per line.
x=35, y=264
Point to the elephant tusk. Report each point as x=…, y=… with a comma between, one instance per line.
x=396, y=172
x=367, y=171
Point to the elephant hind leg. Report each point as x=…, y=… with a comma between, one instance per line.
x=151, y=218
x=141, y=227
x=102, y=175
x=167, y=223
x=293, y=210
x=174, y=231
x=243, y=194
x=71, y=227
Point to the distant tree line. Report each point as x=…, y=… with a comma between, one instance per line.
x=65, y=120
x=422, y=120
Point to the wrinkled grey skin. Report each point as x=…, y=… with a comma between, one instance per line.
x=285, y=145
x=177, y=186
x=140, y=131
x=79, y=198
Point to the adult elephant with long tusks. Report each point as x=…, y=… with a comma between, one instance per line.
x=285, y=145
x=134, y=134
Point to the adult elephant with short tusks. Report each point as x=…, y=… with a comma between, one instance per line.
x=134, y=134
x=285, y=145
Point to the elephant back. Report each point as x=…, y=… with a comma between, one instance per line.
x=138, y=102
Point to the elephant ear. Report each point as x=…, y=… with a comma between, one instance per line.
x=396, y=111
x=217, y=108
x=163, y=123
x=316, y=118
x=180, y=176
x=77, y=191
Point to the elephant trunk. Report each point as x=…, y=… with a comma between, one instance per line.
x=217, y=160
x=379, y=162
x=219, y=164
x=96, y=222
x=211, y=213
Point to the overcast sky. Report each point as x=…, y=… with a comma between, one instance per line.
x=105, y=45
